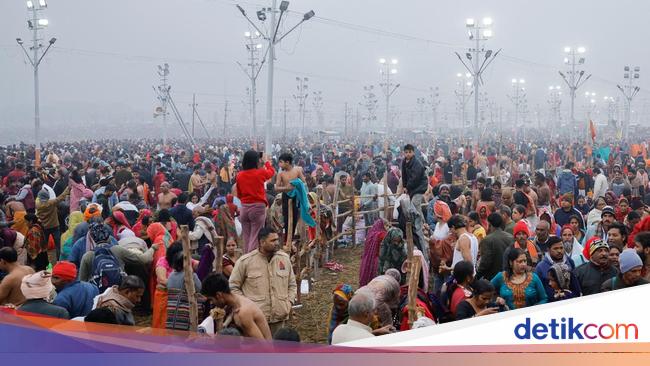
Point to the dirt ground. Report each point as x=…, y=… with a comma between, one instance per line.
x=311, y=321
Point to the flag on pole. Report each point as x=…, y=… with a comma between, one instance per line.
x=592, y=130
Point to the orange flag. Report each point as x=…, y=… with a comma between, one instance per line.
x=592, y=130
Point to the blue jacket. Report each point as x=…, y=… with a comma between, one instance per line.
x=299, y=193
x=182, y=215
x=77, y=298
x=566, y=183
x=79, y=249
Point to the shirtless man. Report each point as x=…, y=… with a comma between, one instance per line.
x=283, y=185
x=165, y=196
x=10, y=285
x=11, y=207
x=246, y=315
x=543, y=191
x=197, y=181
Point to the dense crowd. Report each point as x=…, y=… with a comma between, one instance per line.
x=94, y=231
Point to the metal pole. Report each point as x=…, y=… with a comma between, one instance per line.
x=37, y=113
x=193, y=112
x=477, y=65
x=284, y=123
x=387, y=97
x=269, y=85
x=573, y=91
x=166, y=97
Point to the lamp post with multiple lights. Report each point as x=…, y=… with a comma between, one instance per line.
x=273, y=39
x=555, y=102
x=629, y=92
x=35, y=24
x=518, y=99
x=575, y=78
x=388, y=68
x=252, y=71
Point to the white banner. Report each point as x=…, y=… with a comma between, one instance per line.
x=612, y=317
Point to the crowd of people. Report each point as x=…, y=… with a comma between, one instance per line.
x=94, y=231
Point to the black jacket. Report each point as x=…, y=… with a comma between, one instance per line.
x=414, y=177
x=592, y=278
x=492, y=249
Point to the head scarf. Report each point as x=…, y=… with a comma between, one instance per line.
x=441, y=209
x=393, y=233
x=65, y=270
x=43, y=195
x=118, y=219
x=158, y=234
x=74, y=220
x=93, y=210
x=562, y=274
x=7, y=237
x=345, y=292
x=37, y=286
x=98, y=233
x=138, y=225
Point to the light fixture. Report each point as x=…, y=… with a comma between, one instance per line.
x=247, y=34
x=284, y=6
x=469, y=22
x=393, y=71
x=30, y=5
x=522, y=81
x=42, y=3
x=261, y=15
x=52, y=40
x=43, y=22
x=382, y=61
x=567, y=49
x=487, y=33
x=468, y=75
x=394, y=61
x=470, y=34
x=310, y=14
x=19, y=41
x=550, y=88
x=487, y=21
x=457, y=75
x=582, y=50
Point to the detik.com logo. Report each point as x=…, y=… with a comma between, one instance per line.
x=568, y=328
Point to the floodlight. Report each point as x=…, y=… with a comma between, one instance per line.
x=19, y=40
x=487, y=33
x=469, y=22
x=637, y=69
x=258, y=46
x=261, y=15
x=284, y=6
x=43, y=22
x=30, y=5
x=468, y=75
x=459, y=75
x=393, y=61
x=487, y=21
x=393, y=71
x=247, y=34
x=567, y=49
x=52, y=40
x=382, y=60
x=582, y=50
x=42, y=3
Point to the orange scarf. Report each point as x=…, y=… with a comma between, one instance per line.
x=530, y=247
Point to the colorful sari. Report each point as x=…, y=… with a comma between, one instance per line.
x=345, y=292
x=370, y=260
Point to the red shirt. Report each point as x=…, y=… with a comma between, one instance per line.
x=250, y=184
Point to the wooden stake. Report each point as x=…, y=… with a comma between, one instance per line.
x=188, y=278
x=288, y=245
x=414, y=275
x=354, y=221
x=319, y=237
x=386, y=202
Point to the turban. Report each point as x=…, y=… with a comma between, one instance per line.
x=37, y=286
x=441, y=209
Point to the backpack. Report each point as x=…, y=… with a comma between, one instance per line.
x=106, y=270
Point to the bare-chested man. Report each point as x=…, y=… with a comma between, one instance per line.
x=10, y=285
x=246, y=315
x=11, y=207
x=197, y=180
x=283, y=185
x=543, y=191
x=165, y=196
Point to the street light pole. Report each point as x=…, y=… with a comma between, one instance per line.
x=35, y=24
x=273, y=39
x=576, y=77
x=388, y=69
x=518, y=99
x=629, y=92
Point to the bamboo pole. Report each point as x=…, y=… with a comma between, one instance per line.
x=412, y=290
x=319, y=237
x=218, y=248
x=298, y=266
x=354, y=222
x=189, y=278
x=288, y=240
x=386, y=201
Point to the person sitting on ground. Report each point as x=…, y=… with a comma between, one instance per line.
x=244, y=314
x=75, y=296
x=10, y=292
x=37, y=289
x=121, y=299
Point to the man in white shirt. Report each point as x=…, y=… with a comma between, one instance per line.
x=600, y=184
x=361, y=310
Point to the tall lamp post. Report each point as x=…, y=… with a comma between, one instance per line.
x=518, y=99
x=574, y=78
x=273, y=39
x=629, y=92
x=478, y=33
x=388, y=68
x=35, y=24
x=252, y=71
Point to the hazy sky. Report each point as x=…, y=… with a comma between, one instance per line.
x=104, y=61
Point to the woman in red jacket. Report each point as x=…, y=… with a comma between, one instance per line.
x=251, y=192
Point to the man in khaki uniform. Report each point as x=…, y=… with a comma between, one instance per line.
x=265, y=276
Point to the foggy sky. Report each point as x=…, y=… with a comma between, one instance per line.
x=104, y=62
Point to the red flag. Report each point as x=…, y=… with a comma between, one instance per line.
x=592, y=130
